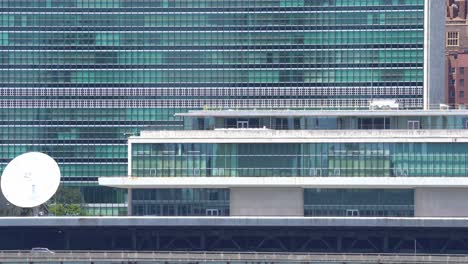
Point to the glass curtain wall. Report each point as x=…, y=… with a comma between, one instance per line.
x=77, y=77
x=180, y=202
x=317, y=202
x=305, y=160
x=358, y=202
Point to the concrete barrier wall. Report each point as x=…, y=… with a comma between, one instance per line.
x=441, y=202
x=267, y=202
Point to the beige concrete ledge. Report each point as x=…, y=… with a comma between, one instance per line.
x=281, y=182
x=323, y=113
x=301, y=136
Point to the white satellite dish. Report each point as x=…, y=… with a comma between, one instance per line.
x=30, y=179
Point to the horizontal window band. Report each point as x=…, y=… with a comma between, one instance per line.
x=205, y=85
x=34, y=141
x=84, y=161
x=285, y=47
x=112, y=122
x=193, y=11
x=201, y=103
x=213, y=66
x=87, y=179
x=216, y=28
x=219, y=9
x=174, y=90
x=116, y=49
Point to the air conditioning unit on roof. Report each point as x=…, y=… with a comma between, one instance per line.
x=384, y=104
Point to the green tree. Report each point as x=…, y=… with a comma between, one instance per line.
x=67, y=202
x=57, y=209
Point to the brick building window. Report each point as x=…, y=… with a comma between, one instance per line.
x=462, y=70
x=452, y=39
x=462, y=94
x=462, y=82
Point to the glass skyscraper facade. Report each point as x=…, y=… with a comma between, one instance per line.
x=77, y=77
x=300, y=160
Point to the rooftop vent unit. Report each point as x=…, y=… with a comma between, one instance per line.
x=444, y=107
x=384, y=105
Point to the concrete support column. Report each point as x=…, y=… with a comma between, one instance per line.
x=134, y=238
x=434, y=46
x=339, y=243
x=129, y=202
x=67, y=240
x=267, y=201
x=203, y=242
x=157, y=242
x=385, y=243
x=441, y=202
x=113, y=242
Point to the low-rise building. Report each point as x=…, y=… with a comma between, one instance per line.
x=301, y=163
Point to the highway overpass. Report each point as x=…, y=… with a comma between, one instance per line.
x=238, y=234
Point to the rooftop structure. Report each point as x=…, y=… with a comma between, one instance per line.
x=301, y=163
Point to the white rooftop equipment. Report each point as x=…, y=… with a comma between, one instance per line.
x=444, y=107
x=382, y=104
x=30, y=179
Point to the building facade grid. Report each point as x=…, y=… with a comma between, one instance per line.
x=77, y=77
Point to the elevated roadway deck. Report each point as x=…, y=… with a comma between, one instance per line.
x=148, y=221
x=238, y=234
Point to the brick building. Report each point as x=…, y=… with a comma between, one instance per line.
x=457, y=52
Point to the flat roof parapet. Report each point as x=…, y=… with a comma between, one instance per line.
x=299, y=136
x=322, y=113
